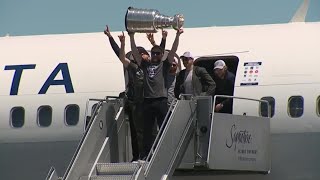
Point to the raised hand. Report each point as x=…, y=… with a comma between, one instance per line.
x=107, y=31
x=122, y=37
x=164, y=33
x=218, y=107
x=151, y=38
x=131, y=34
x=180, y=31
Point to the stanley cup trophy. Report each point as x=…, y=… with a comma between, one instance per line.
x=149, y=20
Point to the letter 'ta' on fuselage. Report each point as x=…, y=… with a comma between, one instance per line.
x=51, y=81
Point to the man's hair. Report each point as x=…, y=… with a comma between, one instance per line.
x=142, y=50
x=157, y=48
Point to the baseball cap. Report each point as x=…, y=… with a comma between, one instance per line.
x=219, y=64
x=187, y=55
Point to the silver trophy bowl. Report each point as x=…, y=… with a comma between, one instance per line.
x=150, y=20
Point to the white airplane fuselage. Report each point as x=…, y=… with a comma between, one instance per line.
x=62, y=70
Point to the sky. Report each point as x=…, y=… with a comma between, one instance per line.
x=35, y=17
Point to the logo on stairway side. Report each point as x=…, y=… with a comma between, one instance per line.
x=238, y=137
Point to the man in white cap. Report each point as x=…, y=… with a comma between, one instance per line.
x=193, y=80
x=225, y=86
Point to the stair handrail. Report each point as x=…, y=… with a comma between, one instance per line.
x=243, y=98
x=94, y=114
x=154, y=145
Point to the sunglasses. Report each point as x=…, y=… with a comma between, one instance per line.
x=155, y=53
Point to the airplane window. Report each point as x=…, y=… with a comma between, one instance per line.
x=44, y=116
x=17, y=117
x=295, y=108
x=72, y=115
x=264, y=106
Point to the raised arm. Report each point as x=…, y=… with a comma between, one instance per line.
x=174, y=46
x=122, y=55
x=163, y=39
x=135, y=52
x=151, y=39
x=113, y=44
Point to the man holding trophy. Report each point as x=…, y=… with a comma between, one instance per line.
x=134, y=89
x=155, y=69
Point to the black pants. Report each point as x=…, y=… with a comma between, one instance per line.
x=134, y=111
x=154, y=109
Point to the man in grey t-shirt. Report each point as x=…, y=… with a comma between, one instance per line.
x=155, y=90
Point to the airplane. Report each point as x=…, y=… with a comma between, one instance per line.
x=46, y=81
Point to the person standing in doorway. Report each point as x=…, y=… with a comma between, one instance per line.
x=225, y=86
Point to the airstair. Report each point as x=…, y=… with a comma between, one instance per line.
x=186, y=140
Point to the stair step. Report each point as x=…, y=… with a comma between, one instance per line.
x=111, y=177
x=117, y=168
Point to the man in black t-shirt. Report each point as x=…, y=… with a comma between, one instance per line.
x=134, y=93
x=155, y=89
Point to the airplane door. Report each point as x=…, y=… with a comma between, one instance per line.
x=247, y=70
